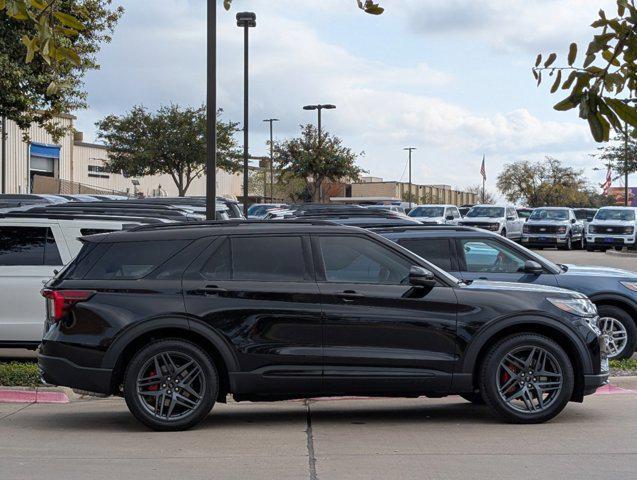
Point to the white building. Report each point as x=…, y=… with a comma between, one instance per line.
x=71, y=165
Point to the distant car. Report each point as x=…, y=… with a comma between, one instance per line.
x=586, y=215
x=612, y=227
x=436, y=214
x=474, y=255
x=524, y=212
x=553, y=227
x=502, y=219
x=259, y=210
x=464, y=209
x=389, y=208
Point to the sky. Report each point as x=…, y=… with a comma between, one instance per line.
x=449, y=77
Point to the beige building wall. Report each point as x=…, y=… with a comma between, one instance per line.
x=398, y=190
x=17, y=166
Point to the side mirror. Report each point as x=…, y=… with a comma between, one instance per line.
x=531, y=266
x=572, y=220
x=511, y=217
x=421, y=277
x=449, y=217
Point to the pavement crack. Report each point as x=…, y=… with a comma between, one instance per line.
x=16, y=411
x=310, y=442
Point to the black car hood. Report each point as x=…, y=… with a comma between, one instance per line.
x=593, y=271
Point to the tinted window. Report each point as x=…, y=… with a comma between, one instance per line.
x=549, y=214
x=491, y=212
x=358, y=260
x=271, y=258
x=436, y=250
x=615, y=214
x=28, y=246
x=132, y=260
x=490, y=256
x=219, y=265
x=427, y=212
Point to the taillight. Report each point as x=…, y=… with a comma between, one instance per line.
x=60, y=301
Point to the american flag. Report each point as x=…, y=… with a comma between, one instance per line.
x=483, y=170
x=609, y=180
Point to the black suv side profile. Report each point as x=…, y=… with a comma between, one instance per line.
x=175, y=318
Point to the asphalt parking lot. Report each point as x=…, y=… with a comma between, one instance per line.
x=327, y=438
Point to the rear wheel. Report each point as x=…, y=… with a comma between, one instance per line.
x=527, y=378
x=170, y=384
x=621, y=330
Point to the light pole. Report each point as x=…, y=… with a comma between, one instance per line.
x=246, y=20
x=271, y=121
x=410, y=149
x=628, y=100
x=211, y=112
x=319, y=107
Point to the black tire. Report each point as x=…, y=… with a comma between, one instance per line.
x=579, y=245
x=207, y=383
x=504, y=232
x=623, y=317
x=590, y=249
x=569, y=243
x=618, y=249
x=473, y=397
x=491, y=369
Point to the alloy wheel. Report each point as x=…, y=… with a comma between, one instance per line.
x=615, y=333
x=529, y=379
x=171, y=385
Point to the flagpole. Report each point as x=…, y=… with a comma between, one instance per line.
x=482, y=189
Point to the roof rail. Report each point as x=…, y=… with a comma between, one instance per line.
x=84, y=216
x=397, y=228
x=234, y=223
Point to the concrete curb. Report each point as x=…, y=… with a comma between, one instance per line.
x=36, y=395
x=615, y=253
x=628, y=383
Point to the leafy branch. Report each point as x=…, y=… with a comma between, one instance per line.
x=368, y=6
x=607, y=74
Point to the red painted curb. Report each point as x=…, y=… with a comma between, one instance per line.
x=32, y=396
x=611, y=390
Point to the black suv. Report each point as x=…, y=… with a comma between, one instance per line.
x=174, y=318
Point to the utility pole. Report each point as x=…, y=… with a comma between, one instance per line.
x=246, y=20
x=4, y=154
x=211, y=112
x=270, y=121
x=410, y=149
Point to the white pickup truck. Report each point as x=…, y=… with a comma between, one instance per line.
x=502, y=219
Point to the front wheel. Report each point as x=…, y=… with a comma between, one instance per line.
x=620, y=328
x=170, y=384
x=569, y=243
x=527, y=378
x=504, y=232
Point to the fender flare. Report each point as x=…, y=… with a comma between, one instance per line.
x=118, y=346
x=484, y=336
x=615, y=297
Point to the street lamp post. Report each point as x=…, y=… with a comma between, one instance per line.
x=319, y=107
x=211, y=112
x=246, y=20
x=410, y=149
x=270, y=121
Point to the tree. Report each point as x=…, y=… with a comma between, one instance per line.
x=314, y=160
x=170, y=141
x=43, y=69
x=609, y=67
x=614, y=155
x=368, y=6
x=489, y=197
x=545, y=183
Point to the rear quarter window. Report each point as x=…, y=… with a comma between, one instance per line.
x=125, y=260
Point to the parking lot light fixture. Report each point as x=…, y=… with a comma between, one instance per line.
x=319, y=107
x=245, y=20
x=410, y=149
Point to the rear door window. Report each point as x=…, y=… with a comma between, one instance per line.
x=28, y=246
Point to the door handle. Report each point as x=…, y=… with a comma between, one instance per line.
x=212, y=290
x=349, y=295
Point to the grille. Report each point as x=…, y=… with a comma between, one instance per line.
x=609, y=229
x=541, y=228
x=476, y=224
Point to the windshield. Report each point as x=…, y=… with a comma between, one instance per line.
x=584, y=214
x=549, y=214
x=427, y=212
x=491, y=212
x=524, y=213
x=615, y=214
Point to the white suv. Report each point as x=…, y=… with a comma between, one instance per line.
x=611, y=227
x=31, y=250
x=436, y=214
x=502, y=219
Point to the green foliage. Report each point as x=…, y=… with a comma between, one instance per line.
x=45, y=51
x=368, y=6
x=608, y=71
x=171, y=141
x=545, y=183
x=615, y=155
x=625, y=365
x=18, y=374
x=313, y=160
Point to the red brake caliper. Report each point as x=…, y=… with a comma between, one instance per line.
x=153, y=388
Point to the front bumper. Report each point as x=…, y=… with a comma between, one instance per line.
x=610, y=240
x=548, y=239
x=63, y=372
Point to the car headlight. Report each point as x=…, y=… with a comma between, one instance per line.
x=561, y=229
x=628, y=230
x=591, y=229
x=581, y=307
x=526, y=229
x=494, y=226
x=630, y=285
